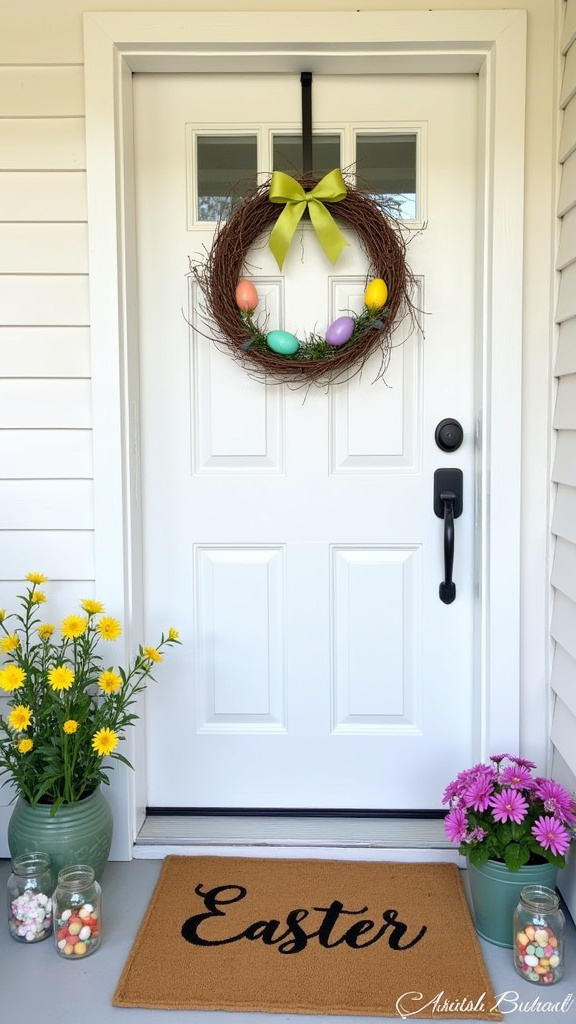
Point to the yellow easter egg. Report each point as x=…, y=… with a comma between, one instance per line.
x=376, y=294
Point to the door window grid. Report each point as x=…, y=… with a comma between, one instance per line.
x=224, y=164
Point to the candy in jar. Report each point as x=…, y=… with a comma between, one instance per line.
x=30, y=898
x=539, y=930
x=77, y=909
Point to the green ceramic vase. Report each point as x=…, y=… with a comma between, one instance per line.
x=495, y=892
x=79, y=833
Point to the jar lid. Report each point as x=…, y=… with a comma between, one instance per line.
x=540, y=898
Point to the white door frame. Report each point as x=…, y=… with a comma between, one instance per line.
x=491, y=44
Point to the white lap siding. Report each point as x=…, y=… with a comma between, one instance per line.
x=564, y=473
x=46, y=490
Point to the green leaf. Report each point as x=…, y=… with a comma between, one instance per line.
x=516, y=855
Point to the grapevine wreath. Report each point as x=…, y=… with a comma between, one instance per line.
x=230, y=300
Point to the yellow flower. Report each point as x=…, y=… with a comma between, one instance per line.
x=12, y=678
x=109, y=682
x=152, y=653
x=104, y=741
x=45, y=630
x=92, y=607
x=36, y=577
x=70, y=726
x=173, y=634
x=25, y=746
x=9, y=643
x=2, y=614
x=61, y=677
x=73, y=626
x=37, y=597
x=109, y=628
x=20, y=717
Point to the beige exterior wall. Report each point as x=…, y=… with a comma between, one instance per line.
x=46, y=499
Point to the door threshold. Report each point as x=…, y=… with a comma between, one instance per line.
x=412, y=838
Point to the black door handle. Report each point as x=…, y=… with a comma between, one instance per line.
x=448, y=506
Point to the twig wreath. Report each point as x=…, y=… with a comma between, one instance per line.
x=230, y=299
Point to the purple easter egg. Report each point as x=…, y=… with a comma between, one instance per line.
x=340, y=331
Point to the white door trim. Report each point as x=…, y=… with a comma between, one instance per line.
x=489, y=43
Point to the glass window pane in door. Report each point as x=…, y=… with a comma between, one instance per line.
x=226, y=168
x=386, y=170
x=287, y=154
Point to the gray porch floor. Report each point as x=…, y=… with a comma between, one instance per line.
x=38, y=985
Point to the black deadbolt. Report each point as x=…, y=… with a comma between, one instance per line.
x=449, y=435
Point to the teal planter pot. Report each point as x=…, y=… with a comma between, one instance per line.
x=79, y=833
x=495, y=892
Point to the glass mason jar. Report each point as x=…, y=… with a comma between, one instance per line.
x=539, y=930
x=77, y=908
x=30, y=897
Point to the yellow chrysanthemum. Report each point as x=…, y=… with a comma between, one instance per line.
x=152, y=653
x=25, y=746
x=109, y=628
x=12, y=678
x=73, y=626
x=20, y=717
x=70, y=726
x=45, y=630
x=173, y=634
x=9, y=643
x=2, y=614
x=36, y=577
x=92, y=607
x=38, y=597
x=110, y=682
x=105, y=741
x=61, y=677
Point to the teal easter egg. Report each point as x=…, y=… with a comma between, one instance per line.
x=282, y=342
x=340, y=331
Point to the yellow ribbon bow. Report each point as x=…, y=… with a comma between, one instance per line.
x=284, y=189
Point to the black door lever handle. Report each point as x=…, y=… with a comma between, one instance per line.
x=448, y=506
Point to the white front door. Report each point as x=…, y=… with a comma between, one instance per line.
x=291, y=535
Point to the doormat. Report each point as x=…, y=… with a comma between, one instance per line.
x=308, y=936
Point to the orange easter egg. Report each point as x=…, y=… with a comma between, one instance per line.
x=246, y=296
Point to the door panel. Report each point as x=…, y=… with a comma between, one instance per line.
x=291, y=533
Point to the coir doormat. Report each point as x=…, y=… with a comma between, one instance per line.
x=308, y=936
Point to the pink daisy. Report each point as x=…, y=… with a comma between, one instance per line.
x=517, y=777
x=522, y=762
x=479, y=792
x=551, y=834
x=455, y=824
x=509, y=805
x=557, y=800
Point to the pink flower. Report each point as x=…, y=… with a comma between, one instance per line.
x=497, y=758
x=551, y=834
x=455, y=824
x=517, y=777
x=509, y=805
x=522, y=762
x=557, y=800
x=479, y=792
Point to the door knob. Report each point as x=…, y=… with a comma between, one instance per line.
x=448, y=506
x=449, y=435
